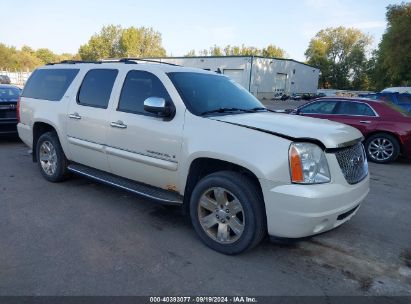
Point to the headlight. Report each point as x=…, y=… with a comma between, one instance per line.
x=308, y=164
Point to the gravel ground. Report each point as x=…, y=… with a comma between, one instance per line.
x=84, y=238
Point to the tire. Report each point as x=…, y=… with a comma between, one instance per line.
x=242, y=227
x=382, y=148
x=53, y=166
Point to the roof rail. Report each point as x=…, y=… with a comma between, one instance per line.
x=121, y=60
x=73, y=62
x=134, y=59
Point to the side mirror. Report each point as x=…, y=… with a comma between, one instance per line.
x=158, y=106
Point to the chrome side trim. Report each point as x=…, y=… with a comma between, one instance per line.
x=122, y=187
x=141, y=158
x=85, y=143
x=132, y=155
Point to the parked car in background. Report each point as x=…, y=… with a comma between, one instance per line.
x=397, y=90
x=4, y=79
x=402, y=100
x=9, y=96
x=385, y=126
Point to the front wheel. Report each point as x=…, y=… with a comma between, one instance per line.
x=382, y=148
x=227, y=212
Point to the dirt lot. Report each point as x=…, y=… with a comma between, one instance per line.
x=84, y=238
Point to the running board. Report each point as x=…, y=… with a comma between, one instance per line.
x=154, y=193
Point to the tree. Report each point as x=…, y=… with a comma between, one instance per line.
x=113, y=41
x=27, y=58
x=106, y=44
x=340, y=53
x=269, y=51
x=273, y=51
x=45, y=55
x=216, y=51
x=393, y=58
x=141, y=42
x=203, y=52
x=190, y=53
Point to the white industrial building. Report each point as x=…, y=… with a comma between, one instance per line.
x=262, y=76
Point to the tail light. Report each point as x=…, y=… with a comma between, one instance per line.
x=18, y=110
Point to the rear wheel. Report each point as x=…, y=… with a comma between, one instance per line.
x=382, y=148
x=227, y=212
x=50, y=158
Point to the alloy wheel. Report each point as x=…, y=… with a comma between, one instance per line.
x=381, y=149
x=48, y=158
x=221, y=215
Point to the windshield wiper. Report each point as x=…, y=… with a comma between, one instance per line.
x=229, y=110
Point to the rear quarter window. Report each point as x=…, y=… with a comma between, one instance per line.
x=49, y=84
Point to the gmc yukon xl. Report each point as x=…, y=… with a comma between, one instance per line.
x=194, y=138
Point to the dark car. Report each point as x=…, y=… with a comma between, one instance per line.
x=9, y=96
x=402, y=100
x=4, y=79
x=385, y=126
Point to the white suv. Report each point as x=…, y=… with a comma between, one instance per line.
x=197, y=139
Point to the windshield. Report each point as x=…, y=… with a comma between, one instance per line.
x=213, y=94
x=7, y=94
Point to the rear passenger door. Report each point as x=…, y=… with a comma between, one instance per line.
x=88, y=119
x=142, y=146
x=358, y=115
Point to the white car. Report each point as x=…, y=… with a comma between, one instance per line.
x=197, y=139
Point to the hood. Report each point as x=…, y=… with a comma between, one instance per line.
x=331, y=134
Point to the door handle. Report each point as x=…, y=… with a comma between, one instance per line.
x=118, y=124
x=75, y=116
x=365, y=121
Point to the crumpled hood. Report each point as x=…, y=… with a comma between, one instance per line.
x=331, y=134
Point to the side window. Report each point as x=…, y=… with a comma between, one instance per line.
x=385, y=97
x=49, y=84
x=404, y=98
x=96, y=88
x=355, y=108
x=320, y=107
x=138, y=86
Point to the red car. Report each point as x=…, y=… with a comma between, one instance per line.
x=385, y=126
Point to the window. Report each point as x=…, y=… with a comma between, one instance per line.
x=206, y=92
x=385, y=97
x=320, y=107
x=404, y=98
x=354, y=108
x=138, y=86
x=49, y=84
x=96, y=88
x=7, y=94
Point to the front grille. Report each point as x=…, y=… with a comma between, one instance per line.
x=353, y=163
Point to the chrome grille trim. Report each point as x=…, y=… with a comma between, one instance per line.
x=353, y=163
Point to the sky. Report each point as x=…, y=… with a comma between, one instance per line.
x=63, y=26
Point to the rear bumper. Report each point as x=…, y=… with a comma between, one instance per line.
x=8, y=126
x=296, y=211
x=25, y=134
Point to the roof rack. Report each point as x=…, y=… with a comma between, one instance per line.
x=73, y=62
x=121, y=60
x=134, y=59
